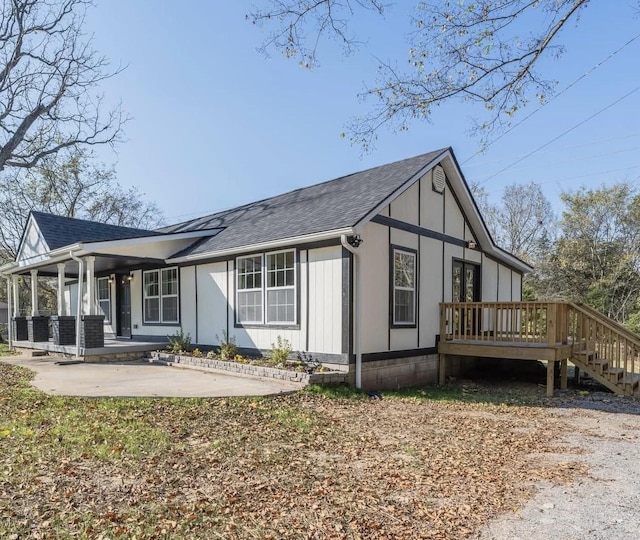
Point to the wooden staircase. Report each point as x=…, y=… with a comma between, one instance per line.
x=604, y=350
x=554, y=331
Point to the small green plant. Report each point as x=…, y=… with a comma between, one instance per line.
x=211, y=355
x=197, y=353
x=280, y=351
x=228, y=346
x=179, y=342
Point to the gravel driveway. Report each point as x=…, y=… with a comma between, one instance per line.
x=603, y=431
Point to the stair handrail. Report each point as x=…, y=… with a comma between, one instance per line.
x=606, y=321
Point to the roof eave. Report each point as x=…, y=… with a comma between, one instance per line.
x=261, y=246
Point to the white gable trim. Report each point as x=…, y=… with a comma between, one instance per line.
x=32, y=224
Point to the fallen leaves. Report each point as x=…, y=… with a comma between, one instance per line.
x=299, y=466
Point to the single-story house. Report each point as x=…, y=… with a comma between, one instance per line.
x=352, y=271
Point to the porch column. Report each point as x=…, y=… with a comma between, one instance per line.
x=16, y=296
x=34, y=293
x=91, y=286
x=62, y=308
x=9, y=311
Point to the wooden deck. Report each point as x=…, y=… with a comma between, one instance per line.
x=552, y=331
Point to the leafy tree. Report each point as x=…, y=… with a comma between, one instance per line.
x=49, y=75
x=484, y=51
x=596, y=259
x=70, y=185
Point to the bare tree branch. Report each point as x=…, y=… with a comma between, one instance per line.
x=48, y=73
x=484, y=51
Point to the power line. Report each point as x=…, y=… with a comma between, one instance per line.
x=587, y=73
x=562, y=134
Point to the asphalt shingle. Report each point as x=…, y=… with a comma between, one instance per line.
x=59, y=231
x=335, y=204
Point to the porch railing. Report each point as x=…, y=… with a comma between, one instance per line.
x=597, y=343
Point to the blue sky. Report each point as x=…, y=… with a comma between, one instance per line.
x=215, y=124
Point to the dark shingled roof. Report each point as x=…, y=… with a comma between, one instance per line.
x=335, y=204
x=59, y=231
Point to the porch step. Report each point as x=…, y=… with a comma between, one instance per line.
x=39, y=353
x=615, y=372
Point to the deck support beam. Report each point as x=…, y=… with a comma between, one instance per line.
x=563, y=374
x=442, y=370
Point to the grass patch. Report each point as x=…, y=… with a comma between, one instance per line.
x=6, y=351
x=327, y=462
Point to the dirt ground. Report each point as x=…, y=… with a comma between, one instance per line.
x=602, y=431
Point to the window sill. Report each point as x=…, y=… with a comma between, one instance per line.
x=258, y=326
x=161, y=324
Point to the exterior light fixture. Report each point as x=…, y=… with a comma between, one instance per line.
x=471, y=244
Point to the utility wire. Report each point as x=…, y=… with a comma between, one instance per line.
x=561, y=135
x=587, y=73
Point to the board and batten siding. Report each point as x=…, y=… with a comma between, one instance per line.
x=421, y=206
x=207, y=306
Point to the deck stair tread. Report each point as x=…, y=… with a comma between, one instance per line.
x=631, y=378
x=616, y=372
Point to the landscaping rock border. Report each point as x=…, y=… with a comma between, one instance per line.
x=326, y=377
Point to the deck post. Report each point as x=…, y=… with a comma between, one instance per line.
x=576, y=375
x=442, y=373
x=34, y=293
x=563, y=374
x=62, y=309
x=550, y=377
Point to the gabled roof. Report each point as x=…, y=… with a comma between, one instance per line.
x=331, y=205
x=59, y=231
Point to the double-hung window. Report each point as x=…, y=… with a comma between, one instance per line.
x=404, y=287
x=104, y=297
x=266, y=288
x=161, y=299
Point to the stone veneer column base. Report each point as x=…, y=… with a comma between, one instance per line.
x=63, y=329
x=92, y=332
x=38, y=329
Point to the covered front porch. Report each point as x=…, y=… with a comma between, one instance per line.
x=91, y=320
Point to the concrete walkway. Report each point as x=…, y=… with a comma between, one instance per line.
x=57, y=376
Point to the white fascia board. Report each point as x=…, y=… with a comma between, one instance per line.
x=386, y=202
x=154, y=239
x=264, y=246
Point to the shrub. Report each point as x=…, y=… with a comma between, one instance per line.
x=179, y=342
x=280, y=350
x=211, y=355
x=197, y=353
x=228, y=347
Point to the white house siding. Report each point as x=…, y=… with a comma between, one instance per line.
x=212, y=286
x=34, y=247
x=325, y=300
x=431, y=276
x=489, y=280
x=188, y=300
x=504, y=284
x=373, y=259
x=431, y=206
x=516, y=286
x=419, y=206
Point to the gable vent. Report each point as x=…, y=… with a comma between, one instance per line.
x=439, y=179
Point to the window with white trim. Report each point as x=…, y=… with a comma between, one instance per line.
x=404, y=287
x=104, y=297
x=160, y=296
x=249, y=287
x=266, y=288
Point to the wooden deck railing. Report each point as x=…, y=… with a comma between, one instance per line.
x=596, y=341
x=533, y=322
